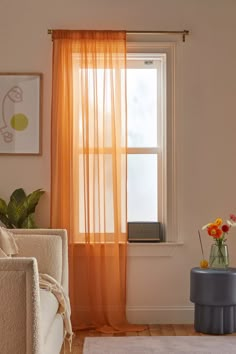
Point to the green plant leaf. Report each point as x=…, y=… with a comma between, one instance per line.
x=32, y=200
x=16, y=211
x=29, y=222
x=20, y=210
x=18, y=195
x=3, y=207
x=4, y=219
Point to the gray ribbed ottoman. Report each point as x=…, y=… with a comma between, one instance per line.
x=214, y=293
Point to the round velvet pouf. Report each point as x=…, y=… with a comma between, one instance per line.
x=213, y=291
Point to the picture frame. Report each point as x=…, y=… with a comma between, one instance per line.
x=20, y=113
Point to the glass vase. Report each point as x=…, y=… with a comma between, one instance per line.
x=219, y=256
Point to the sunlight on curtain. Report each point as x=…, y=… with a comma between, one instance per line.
x=89, y=162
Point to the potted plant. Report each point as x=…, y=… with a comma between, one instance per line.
x=19, y=212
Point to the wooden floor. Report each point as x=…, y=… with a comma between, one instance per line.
x=153, y=330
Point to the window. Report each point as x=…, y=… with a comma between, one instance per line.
x=150, y=141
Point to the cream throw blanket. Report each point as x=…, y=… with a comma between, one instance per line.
x=7, y=243
x=8, y=248
x=49, y=283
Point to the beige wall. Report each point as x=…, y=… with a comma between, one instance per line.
x=158, y=287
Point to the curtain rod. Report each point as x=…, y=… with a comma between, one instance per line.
x=184, y=32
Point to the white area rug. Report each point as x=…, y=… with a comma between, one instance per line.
x=165, y=345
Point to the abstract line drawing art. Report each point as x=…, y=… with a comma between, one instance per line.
x=20, y=103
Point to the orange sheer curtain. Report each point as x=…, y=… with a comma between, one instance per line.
x=89, y=123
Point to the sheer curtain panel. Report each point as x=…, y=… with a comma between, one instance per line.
x=88, y=169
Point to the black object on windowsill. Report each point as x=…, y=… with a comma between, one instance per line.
x=144, y=232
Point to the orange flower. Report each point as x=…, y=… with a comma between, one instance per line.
x=214, y=231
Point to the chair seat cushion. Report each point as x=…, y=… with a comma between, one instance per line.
x=48, y=310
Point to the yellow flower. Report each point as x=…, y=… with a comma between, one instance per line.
x=218, y=221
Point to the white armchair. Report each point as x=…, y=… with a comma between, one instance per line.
x=29, y=318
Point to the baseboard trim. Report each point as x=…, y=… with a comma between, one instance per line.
x=160, y=314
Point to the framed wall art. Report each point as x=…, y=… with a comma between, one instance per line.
x=20, y=113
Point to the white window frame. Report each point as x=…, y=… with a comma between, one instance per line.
x=168, y=182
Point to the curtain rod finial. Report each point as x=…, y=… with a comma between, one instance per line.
x=185, y=33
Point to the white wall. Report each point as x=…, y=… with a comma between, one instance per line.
x=158, y=287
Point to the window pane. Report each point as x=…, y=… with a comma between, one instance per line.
x=142, y=107
x=142, y=187
x=94, y=105
x=96, y=212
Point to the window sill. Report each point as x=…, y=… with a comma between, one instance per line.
x=163, y=249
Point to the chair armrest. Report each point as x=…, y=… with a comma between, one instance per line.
x=52, y=258
x=19, y=306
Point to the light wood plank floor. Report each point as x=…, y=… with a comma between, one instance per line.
x=153, y=330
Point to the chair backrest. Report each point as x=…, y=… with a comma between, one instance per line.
x=49, y=247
